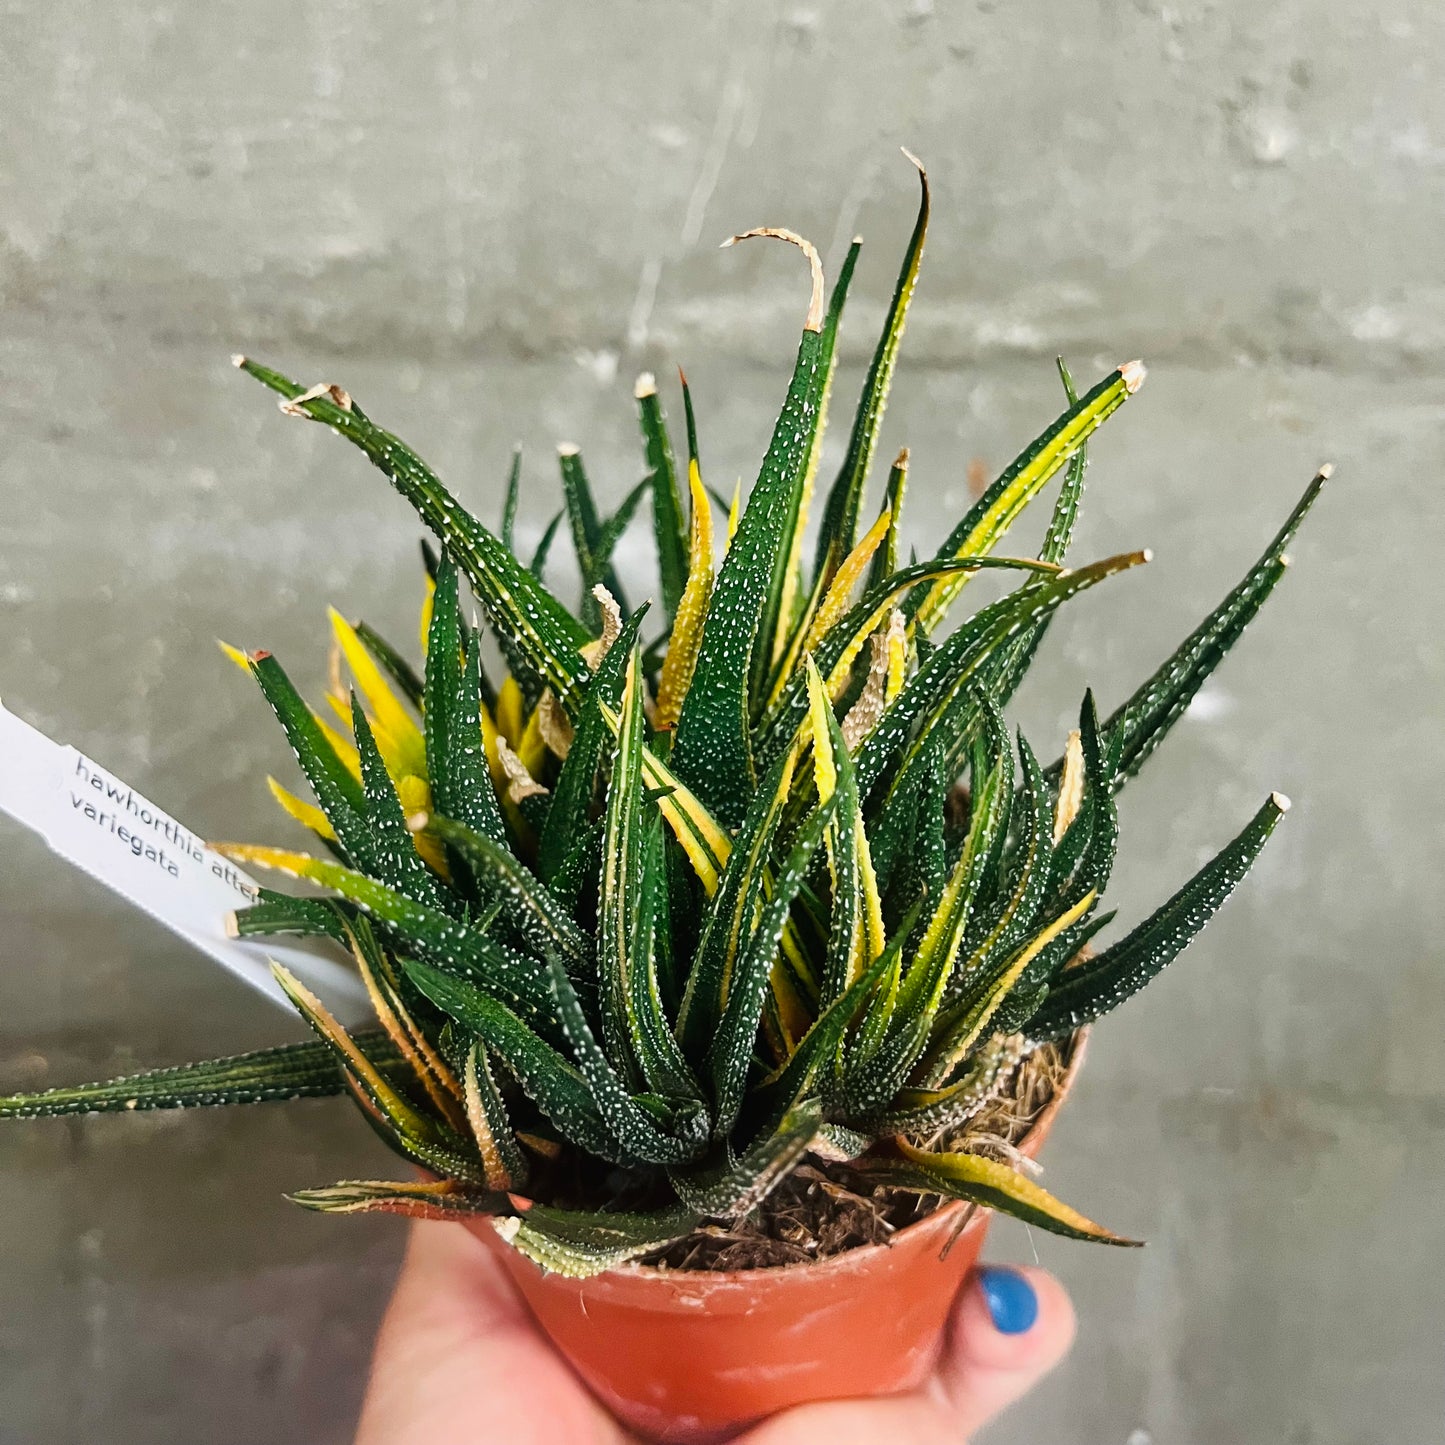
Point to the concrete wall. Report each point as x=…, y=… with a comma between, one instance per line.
x=483, y=219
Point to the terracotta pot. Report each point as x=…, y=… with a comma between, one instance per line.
x=690, y=1357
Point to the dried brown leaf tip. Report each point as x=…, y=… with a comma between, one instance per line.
x=296, y=405
x=814, y=321
x=520, y=783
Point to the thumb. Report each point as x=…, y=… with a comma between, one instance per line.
x=1010, y=1327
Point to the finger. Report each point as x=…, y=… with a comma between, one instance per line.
x=459, y=1358
x=1010, y=1327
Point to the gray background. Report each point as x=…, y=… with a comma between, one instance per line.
x=483, y=220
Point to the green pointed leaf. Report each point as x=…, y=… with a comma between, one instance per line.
x=652, y=1130
x=293, y=1071
x=529, y=908
x=578, y=1244
x=733, y=1187
x=619, y=521
x=1101, y=984
x=1142, y=723
x=787, y=1087
x=394, y=860
x=985, y=1181
x=461, y=783
x=281, y=913
x=735, y=902
x=522, y=611
x=538, y=565
x=576, y=785
x=669, y=520
x=927, y=699
x=712, y=752
x=338, y=793
x=1066, y=504
x=839, y=533
x=885, y=560
x=731, y=1051
x=509, y=507
x=556, y=1086
x=587, y=536
x=458, y=947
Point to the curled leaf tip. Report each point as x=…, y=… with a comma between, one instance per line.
x=1280, y=801
x=1133, y=373
x=922, y=169
x=814, y=320
x=645, y=385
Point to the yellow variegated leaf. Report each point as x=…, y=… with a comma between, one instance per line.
x=823, y=610
x=510, y=719
x=835, y=603
x=987, y=1182
x=1013, y=491
x=964, y=1033
x=388, y=713
x=321, y=1019
x=343, y=747
x=494, y=1152
x=700, y=836
x=691, y=609
x=825, y=765
x=307, y=814
x=491, y=734
x=236, y=656
x=424, y=624
x=415, y=796
x=895, y=641
x=282, y=860
x=847, y=831
x=532, y=746
x=432, y=1073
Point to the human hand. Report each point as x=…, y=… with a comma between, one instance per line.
x=459, y=1360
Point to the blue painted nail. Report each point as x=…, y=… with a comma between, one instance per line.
x=1011, y=1300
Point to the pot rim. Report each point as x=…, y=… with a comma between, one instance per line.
x=850, y=1259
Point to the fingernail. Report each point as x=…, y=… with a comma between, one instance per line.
x=1011, y=1300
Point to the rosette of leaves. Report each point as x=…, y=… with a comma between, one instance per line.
x=653, y=901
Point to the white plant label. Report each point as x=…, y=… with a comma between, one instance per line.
x=91, y=818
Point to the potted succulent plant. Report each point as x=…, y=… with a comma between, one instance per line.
x=729, y=957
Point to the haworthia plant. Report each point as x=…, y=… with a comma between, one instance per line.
x=694, y=891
